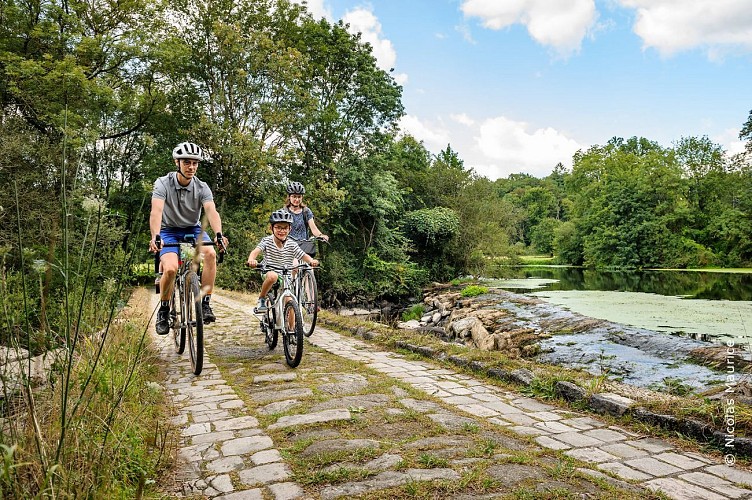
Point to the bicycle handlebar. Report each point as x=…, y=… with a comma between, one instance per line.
x=313, y=238
x=283, y=270
x=194, y=243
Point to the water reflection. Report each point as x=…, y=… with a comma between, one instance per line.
x=688, y=284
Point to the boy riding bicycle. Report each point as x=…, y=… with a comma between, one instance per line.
x=279, y=251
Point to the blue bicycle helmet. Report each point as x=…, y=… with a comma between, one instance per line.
x=295, y=188
x=280, y=216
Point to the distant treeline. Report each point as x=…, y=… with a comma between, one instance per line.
x=95, y=95
x=634, y=204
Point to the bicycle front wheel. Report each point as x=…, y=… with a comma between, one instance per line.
x=178, y=327
x=195, y=323
x=270, y=328
x=309, y=307
x=292, y=338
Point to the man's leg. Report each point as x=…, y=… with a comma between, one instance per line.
x=169, y=262
x=208, y=275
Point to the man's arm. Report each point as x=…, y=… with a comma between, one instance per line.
x=213, y=216
x=155, y=221
x=215, y=221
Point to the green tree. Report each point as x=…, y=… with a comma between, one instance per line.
x=630, y=205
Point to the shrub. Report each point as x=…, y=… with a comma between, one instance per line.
x=415, y=312
x=473, y=290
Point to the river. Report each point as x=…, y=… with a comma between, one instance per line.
x=655, y=318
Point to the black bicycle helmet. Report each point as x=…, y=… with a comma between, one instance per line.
x=280, y=216
x=188, y=151
x=295, y=188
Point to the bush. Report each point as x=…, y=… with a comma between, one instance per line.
x=473, y=290
x=432, y=226
x=415, y=312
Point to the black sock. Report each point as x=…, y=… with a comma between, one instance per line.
x=207, y=298
x=165, y=304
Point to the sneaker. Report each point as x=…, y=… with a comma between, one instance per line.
x=261, y=307
x=207, y=313
x=163, y=321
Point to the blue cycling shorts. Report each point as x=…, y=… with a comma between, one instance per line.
x=178, y=234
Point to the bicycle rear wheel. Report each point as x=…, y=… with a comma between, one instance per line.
x=292, y=337
x=195, y=323
x=178, y=327
x=308, y=299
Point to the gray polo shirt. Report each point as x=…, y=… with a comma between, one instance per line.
x=182, y=204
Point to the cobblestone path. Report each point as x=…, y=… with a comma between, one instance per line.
x=355, y=421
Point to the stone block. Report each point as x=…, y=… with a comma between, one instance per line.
x=522, y=376
x=569, y=391
x=610, y=403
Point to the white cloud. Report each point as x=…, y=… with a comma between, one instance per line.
x=729, y=139
x=561, y=24
x=364, y=22
x=672, y=26
x=435, y=137
x=494, y=147
x=463, y=119
x=511, y=148
x=316, y=8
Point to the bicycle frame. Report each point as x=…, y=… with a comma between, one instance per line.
x=287, y=291
x=284, y=313
x=187, y=287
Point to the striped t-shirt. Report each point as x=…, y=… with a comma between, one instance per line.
x=280, y=257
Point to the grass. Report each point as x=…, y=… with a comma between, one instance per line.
x=116, y=444
x=536, y=260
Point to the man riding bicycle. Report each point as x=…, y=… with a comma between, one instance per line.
x=176, y=204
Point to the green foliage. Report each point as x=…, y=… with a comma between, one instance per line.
x=473, y=290
x=391, y=280
x=543, y=235
x=431, y=227
x=415, y=312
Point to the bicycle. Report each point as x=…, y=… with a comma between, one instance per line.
x=188, y=290
x=283, y=315
x=307, y=293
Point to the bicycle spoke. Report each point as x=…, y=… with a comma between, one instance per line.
x=293, y=334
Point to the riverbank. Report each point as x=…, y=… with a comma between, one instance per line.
x=671, y=366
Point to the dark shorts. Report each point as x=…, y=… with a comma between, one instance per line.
x=177, y=234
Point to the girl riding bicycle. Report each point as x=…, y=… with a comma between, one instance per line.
x=278, y=250
x=302, y=219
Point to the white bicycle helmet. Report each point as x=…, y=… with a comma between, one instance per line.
x=188, y=151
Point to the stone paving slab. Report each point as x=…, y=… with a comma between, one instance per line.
x=222, y=440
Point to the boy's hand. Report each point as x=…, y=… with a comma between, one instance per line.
x=252, y=262
x=314, y=263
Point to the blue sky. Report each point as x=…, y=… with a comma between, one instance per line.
x=519, y=85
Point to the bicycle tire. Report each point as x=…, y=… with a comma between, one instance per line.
x=292, y=335
x=271, y=333
x=308, y=300
x=195, y=323
x=178, y=326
